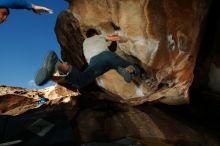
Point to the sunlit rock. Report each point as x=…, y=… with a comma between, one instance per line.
x=163, y=38
x=15, y=101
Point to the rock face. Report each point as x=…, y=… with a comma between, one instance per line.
x=96, y=120
x=15, y=101
x=109, y=122
x=163, y=38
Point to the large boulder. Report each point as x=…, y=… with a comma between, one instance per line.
x=163, y=38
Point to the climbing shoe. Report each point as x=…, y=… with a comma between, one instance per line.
x=127, y=76
x=47, y=69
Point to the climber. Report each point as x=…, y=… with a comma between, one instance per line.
x=99, y=58
x=19, y=4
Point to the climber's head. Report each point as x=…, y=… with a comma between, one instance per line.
x=4, y=12
x=91, y=32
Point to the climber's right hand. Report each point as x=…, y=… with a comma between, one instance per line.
x=39, y=9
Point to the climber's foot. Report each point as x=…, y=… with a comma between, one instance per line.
x=127, y=73
x=47, y=69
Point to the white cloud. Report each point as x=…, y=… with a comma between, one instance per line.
x=31, y=83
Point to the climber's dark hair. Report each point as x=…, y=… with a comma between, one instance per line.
x=91, y=32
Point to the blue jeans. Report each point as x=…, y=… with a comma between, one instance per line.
x=98, y=65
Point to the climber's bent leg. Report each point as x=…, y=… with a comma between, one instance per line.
x=123, y=66
x=98, y=65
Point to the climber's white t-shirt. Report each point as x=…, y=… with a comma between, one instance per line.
x=95, y=45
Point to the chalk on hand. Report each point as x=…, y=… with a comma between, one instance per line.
x=50, y=11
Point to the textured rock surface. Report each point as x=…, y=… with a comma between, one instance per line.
x=107, y=123
x=69, y=36
x=96, y=119
x=163, y=38
x=15, y=101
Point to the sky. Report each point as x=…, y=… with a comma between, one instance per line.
x=25, y=39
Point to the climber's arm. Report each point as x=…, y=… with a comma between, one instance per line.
x=16, y=4
x=23, y=4
x=117, y=36
x=112, y=38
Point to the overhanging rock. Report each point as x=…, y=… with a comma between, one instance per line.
x=163, y=38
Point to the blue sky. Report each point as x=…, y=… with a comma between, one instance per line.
x=25, y=39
